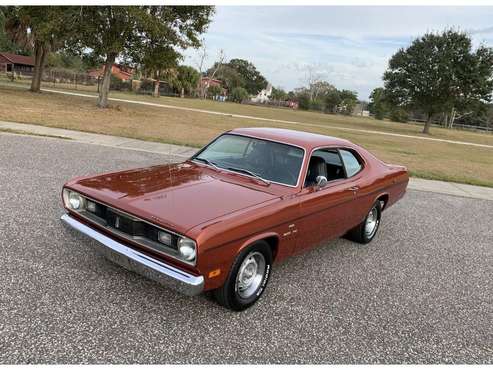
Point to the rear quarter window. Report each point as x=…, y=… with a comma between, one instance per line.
x=351, y=162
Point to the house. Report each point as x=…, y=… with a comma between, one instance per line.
x=206, y=82
x=264, y=95
x=19, y=64
x=118, y=71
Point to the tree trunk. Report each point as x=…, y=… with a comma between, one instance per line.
x=156, y=93
x=157, y=84
x=105, y=86
x=452, y=118
x=40, y=54
x=426, y=129
x=182, y=93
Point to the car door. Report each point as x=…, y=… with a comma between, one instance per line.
x=325, y=213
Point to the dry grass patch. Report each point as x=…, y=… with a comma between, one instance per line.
x=428, y=159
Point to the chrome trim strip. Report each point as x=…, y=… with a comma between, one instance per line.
x=259, y=138
x=133, y=260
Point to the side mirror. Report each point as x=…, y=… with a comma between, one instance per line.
x=321, y=181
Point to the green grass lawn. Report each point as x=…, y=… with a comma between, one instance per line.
x=424, y=158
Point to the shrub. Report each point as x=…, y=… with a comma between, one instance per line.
x=214, y=91
x=238, y=94
x=304, y=102
x=117, y=84
x=399, y=115
x=317, y=104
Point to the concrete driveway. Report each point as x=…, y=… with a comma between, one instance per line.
x=420, y=292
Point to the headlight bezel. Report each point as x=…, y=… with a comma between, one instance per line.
x=185, y=245
x=174, y=252
x=67, y=194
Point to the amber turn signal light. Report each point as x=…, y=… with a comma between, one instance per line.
x=214, y=273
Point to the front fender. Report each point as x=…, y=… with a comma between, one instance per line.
x=222, y=258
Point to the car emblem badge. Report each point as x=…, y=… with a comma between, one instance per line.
x=117, y=222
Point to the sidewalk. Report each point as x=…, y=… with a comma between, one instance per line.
x=441, y=187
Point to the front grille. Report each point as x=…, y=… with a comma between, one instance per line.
x=129, y=227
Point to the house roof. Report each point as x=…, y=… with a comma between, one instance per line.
x=117, y=71
x=18, y=59
x=210, y=79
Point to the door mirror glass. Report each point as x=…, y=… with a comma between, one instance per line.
x=321, y=181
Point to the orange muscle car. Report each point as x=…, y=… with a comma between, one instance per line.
x=219, y=220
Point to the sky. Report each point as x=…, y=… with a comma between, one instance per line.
x=347, y=46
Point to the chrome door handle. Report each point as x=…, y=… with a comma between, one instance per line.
x=353, y=188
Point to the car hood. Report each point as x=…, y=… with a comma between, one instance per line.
x=177, y=196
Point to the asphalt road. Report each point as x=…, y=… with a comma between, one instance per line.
x=421, y=292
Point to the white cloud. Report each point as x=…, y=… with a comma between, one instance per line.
x=351, y=45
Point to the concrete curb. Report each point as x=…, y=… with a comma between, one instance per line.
x=441, y=187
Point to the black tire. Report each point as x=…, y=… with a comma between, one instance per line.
x=229, y=295
x=359, y=234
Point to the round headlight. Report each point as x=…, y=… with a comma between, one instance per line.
x=75, y=200
x=186, y=247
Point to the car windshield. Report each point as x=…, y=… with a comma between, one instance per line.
x=267, y=160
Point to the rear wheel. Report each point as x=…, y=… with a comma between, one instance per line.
x=247, y=279
x=366, y=231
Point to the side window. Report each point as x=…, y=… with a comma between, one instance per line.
x=351, y=163
x=324, y=162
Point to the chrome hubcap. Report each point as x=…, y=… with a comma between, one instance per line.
x=372, y=221
x=250, y=274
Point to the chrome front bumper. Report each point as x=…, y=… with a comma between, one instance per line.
x=133, y=260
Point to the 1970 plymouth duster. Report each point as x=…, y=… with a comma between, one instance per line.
x=220, y=219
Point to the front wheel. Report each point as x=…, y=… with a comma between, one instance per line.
x=366, y=231
x=247, y=279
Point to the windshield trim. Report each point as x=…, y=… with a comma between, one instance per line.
x=259, y=138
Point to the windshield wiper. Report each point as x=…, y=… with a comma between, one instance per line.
x=253, y=174
x=206, y=161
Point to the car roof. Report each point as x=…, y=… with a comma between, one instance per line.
x=303, y=139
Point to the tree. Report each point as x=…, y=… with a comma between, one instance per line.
x=133, y=32
x=440, y=73
x=41, y=29
x=278, y=94
x=229, y=77
x=319, y=89
x=378, y=106
x=159, y=62
x=238, y=94
x=214, y=90
x=332, y=101
x=349, y=99
x=399, y=114
x=211, y=73
x=312, y=79
x=253, y=79
x=6, y=44
x=186, y=80
x=303, y=100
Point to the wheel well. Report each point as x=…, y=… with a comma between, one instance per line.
x=383, y=198
x=273, y=242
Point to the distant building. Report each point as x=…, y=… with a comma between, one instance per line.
x=264, y=95
x=361, y=109
x=19, y=64
x=207, y=82
x=118, y=71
